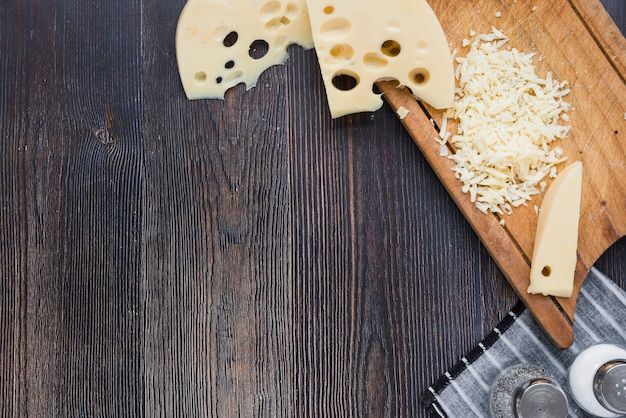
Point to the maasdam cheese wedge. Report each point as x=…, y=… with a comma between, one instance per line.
x=554, y=254
x=221, y=43
x=361, y=41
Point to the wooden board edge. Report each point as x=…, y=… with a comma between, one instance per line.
x=604, y=30
x=502, y=247
x=568, y=305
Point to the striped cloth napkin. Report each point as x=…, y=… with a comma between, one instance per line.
x=463, y=391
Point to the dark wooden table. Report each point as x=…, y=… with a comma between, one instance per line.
x=237, y=258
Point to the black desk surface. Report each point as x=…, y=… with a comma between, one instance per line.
x=246, y=257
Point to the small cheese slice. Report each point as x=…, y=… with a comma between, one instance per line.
x=361, y=41
x=221, y=43
x=556, y=241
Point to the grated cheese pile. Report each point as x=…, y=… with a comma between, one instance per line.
x=507, y=118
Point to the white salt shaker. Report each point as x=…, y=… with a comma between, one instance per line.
x=597, y=380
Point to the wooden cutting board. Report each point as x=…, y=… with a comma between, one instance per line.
x=580, y=43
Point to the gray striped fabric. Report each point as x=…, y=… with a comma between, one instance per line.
x=463, y=391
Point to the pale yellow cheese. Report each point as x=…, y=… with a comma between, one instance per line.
x=221, y=43
x=508, y=118
x=402, y=112
x=556, y=241
x=361, y=41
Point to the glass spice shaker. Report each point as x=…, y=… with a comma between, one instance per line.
x=597, y=380
x=525, y=391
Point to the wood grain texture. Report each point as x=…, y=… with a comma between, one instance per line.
x=246, y=257
x=361, y=317
x=500, y=243
x=592, y=63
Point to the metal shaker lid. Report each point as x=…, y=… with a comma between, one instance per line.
x=540, y=398
x=609, y=386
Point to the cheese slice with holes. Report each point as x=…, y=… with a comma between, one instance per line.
x=556, y=241
x=361, y=41
x=221, y=43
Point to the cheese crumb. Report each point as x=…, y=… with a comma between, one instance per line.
x=402, y=112
x=507, y=118
x=498, y=14
x=553, y=173
x=472, y=32
x=443, y=131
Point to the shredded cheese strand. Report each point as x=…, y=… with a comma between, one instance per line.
x=507, y=118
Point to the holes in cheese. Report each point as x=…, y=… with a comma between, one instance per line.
x=221, y=44
x=230, y=39
x=554, y=253
x=258, y=49
x=391, y=48
x=345, y=81
x=340, y=52
x=270, y=10
x=335, y=28
x=369, y=40
x=420, y=76
x=375, y=62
